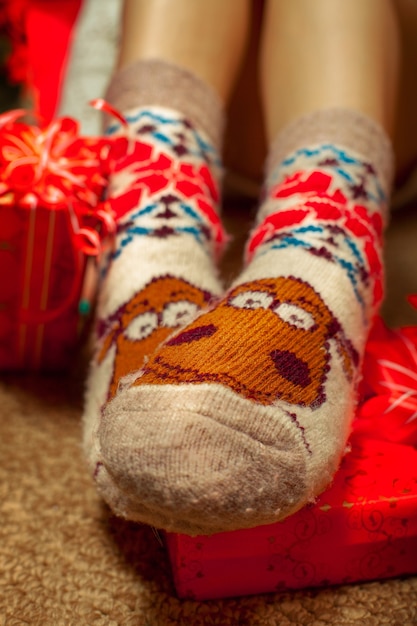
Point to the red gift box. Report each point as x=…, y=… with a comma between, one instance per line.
x=52, y=220
x=42, y=274
x=364, y=527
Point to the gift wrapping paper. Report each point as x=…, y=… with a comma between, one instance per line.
x=42, y=275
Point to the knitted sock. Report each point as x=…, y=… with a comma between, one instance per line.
x=164, y=192
x=243, y=416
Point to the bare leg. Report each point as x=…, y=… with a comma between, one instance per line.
x=208, y=38
x=329, y=53
x=402, y=46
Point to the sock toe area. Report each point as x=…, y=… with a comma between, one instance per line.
x=186, y=460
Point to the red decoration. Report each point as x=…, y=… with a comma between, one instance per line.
x=40, y=34
x=51, y=186
x=388, y=408
x=364, y=527
x=49, y=26
x=53, y=167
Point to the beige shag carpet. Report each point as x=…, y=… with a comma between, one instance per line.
x=65, y=560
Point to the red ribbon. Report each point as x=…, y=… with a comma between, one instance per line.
x=388, y=406
x=53, y=167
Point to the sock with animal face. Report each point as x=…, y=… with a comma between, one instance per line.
x=164, y=193
x=242, y=417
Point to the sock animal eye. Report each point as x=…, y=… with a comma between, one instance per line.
x=252, y=300
x=295, y=315
x=142, y=326
x=178, y=313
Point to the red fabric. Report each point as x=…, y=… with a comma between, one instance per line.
x=49, y=31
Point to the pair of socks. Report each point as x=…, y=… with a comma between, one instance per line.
x=210, y=410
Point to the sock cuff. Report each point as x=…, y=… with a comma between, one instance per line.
x=157, y=82
x=343, y=127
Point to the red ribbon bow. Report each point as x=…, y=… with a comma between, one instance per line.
x=55, y=168
x=388, y=407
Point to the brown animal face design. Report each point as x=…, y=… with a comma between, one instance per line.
x=137, y=328
x=267, y=340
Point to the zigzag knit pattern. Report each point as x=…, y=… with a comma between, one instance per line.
x=332, y=205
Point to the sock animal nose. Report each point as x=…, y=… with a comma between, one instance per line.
x=193, y=334
x=290, y=367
